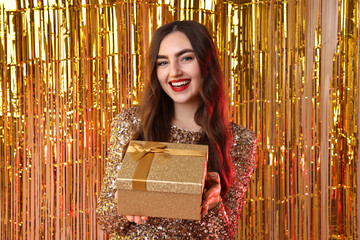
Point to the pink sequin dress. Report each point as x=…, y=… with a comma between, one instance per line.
x=219, y=223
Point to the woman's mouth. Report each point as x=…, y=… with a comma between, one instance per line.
x=179, y=85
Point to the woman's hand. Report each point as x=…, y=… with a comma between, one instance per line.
x=136, y=219
x=211, y=197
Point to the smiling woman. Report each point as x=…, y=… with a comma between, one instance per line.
x=184, y=102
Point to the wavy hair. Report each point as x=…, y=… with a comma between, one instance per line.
x=158, y=109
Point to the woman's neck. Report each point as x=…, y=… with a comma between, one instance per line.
x=184, y=116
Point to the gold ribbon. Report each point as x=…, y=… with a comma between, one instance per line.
x=144, y=155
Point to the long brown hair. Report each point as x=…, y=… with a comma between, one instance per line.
x=158, y=110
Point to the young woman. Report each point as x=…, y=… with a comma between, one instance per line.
x=184, y=102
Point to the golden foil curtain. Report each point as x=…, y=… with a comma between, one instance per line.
x=292, y=75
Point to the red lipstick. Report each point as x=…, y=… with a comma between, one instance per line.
x=179, y=85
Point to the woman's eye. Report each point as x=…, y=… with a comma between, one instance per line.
x=162, y=63
x=187, y=58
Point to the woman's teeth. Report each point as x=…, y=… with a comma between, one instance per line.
x=179, y=84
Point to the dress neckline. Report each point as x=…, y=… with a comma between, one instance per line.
x=186, y=130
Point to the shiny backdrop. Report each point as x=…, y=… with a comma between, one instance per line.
x=67, y=67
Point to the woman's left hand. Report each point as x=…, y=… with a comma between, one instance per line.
x=211, y=197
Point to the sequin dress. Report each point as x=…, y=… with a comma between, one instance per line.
x=219, y=223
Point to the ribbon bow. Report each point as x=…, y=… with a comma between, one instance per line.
x=138, y=151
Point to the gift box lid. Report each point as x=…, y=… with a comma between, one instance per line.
x=168, y=173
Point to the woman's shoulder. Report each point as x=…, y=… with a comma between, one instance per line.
x=242, y=135
x=244, y=146
x=127, y=117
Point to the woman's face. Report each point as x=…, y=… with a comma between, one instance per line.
x=178, y=70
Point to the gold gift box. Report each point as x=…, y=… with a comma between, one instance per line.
x=162, y=180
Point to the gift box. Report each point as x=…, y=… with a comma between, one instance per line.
x=159, y=179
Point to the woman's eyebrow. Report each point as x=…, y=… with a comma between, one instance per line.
x=186, y=50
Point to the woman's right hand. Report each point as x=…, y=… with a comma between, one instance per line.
x=136, y=219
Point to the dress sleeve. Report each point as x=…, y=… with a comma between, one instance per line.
x=243, y=156
x=121, y=130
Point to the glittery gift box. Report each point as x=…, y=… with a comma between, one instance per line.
x=162, y=180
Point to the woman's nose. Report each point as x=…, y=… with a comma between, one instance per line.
x=175, y=69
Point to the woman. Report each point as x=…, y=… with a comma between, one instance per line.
x=184, y=102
